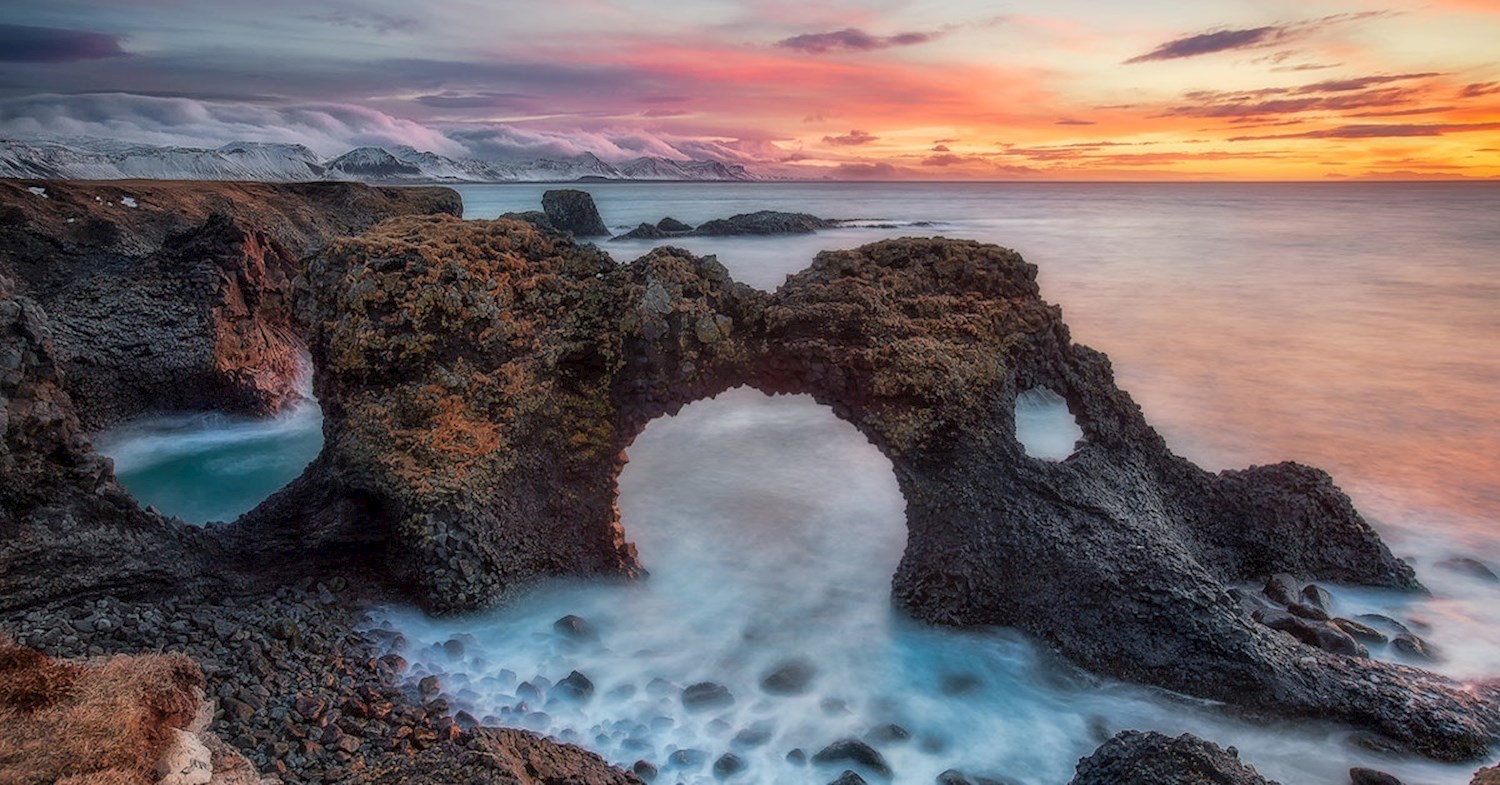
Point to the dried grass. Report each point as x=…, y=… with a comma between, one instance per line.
x=87, y=724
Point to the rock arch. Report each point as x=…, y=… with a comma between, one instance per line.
x=481, y=379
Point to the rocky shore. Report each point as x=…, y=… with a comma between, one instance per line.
x=480, y=382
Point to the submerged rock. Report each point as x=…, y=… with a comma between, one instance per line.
x=1136, y=758
x=706, y=695
x=764, y=222
x=1471, y=567
x=856, y=752
x=848, y=778
x=571, y=210
x=789, y=678
x=1358, y=776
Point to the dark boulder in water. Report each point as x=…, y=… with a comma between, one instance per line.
x=856, y=752
x=1471, y=567
x=728, y=765
x=789, y=678
x=536, y=218
x=670, y=224
x=706, y=695
x=571, y=210
x=1359, y=776
x=848, y=778
x=763, y=222
x=1136, y=758
x=575, y=627
x=575, y=687
x=643, y=232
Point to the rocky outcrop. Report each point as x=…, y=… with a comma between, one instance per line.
x=1135, y=758
x=571, y=210
x=481, y=380
x=67, y=528
x=170, y=295
x=761, y=222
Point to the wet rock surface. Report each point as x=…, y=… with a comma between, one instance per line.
x=1136, y=758
x=481, y=381
x=761, y=222
x=571, y=210
x=182, y=302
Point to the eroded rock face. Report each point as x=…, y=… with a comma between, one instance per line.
x=1136, y=758
x=181, y=301
x=571, y=210
x=67, y=528
x=481, y=380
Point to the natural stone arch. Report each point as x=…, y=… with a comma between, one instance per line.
x=480, y=381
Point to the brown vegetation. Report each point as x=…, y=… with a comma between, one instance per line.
x=102, y=722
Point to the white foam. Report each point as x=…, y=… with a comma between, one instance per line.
x=38, y=190
x=129, y=201
x=1044, y=426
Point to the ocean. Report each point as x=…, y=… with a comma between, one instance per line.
x=1352, y=326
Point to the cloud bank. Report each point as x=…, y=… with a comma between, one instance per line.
x=26, y=44
x=851, y=39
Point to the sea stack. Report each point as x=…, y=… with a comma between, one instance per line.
x=571, y=210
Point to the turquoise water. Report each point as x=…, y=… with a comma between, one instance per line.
x=1349, y=326
x=212, y=467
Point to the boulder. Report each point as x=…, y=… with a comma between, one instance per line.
x=643, y=232
x=1470, y=566
x=1359, y=776
x=571, y=210
x=763, y=222
x=789, y=678
x=855, y=752
x=672, y=225
x=706, y=695
x=1136, y=758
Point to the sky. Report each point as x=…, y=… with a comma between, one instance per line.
x=876, y=89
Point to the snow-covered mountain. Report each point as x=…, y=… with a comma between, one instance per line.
x=98, y=159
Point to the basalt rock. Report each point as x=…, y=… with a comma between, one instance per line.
x=1135, y=758
x=481, y=380
x=763, y=222
x=571, y=210
x=183, y=300
x=67, y=528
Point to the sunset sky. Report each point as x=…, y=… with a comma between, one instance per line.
x=889, y=89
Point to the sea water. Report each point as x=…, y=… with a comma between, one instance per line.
x=1350, y=326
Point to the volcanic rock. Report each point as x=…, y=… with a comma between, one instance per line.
x=571, y=210
x=1358, y=776
x=763, y=222
x=1136, y=758
x=184, y=302
x=670, y=224
x=854, y=751
x=481, y=381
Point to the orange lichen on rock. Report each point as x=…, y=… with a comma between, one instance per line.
x=107, y=721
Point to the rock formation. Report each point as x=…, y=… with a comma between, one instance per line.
x=481, y=380
x=761, y=222
x=571, y=210
x=1135, y=758
x=177, y=295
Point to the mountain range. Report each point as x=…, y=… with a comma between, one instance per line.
x=100, y=159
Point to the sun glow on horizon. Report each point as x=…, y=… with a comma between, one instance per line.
x=898, y=89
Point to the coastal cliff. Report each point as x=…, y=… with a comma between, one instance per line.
x=176, y=296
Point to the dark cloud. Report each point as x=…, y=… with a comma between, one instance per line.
x=1403, y=112
x=815, y=118
x=1359, y=83
x=1208, y=43
x=946, y=141
x=851, y=40
x=1247, y=38
x=665, y=113
x=25, y=44
x=1071, y=121
x=854, y=137
x=367, y=19
x=1335, y=95
x=455, y=99
x=942, y=148
x=1378, y=131
x=1305, y=67
x=943, y=160
x=1480, y=88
